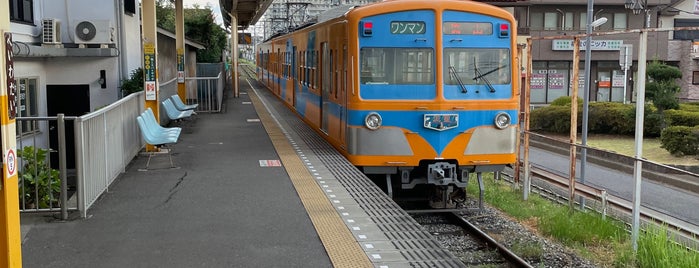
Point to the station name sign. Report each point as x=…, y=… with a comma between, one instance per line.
x=567, y=44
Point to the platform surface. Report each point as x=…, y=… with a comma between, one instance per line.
x=244, y=195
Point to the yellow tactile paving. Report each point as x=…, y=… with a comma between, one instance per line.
x=339, y=243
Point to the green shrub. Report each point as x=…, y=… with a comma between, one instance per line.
x=134, y=83
x=653, y=121
x=603, y=118
x=610, y=118
x=690, y=106
x=681, y=118
x=40, y=185
x=554, y=119
x=565, y=100
x=680, y=140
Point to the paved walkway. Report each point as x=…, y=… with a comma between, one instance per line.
x=219, y=209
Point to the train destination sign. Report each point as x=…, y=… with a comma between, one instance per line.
x=467, y=28
x=407, y=27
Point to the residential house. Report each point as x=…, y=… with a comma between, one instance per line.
x=560, y=19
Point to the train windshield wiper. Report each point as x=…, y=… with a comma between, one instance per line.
x=488, y=72
x=481, y=76
x=452, y=70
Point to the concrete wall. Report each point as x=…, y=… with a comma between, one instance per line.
x=167, y=59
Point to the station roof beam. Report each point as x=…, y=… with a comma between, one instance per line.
x=248, y=12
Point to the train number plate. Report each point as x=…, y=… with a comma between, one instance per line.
x=441, y=122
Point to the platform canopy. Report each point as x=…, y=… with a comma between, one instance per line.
x=248, y=12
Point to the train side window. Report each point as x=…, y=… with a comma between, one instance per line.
x=397, y=66
x=307, y=71
x=315, y=77
x=372, y=65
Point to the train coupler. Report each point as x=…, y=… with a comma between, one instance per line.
x=443, y=173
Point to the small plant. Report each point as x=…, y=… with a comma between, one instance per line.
x=134, y=83
x=40, y=185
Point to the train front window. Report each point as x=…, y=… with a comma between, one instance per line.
x=477, y=66
x=397, y=66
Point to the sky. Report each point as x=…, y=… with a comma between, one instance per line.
x=203, y=3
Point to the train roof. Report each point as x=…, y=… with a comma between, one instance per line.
x=327, y=15
x=333, y=13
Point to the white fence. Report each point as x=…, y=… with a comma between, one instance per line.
x=105, y=142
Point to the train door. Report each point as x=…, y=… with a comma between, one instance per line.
x=267, y=67
x=343, y=92
x=277, y=68
x=294, y=78
x=326, y=82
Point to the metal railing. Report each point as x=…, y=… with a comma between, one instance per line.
x=43, y=180
x=106, y=141
x=600, y=200
x=208, y=94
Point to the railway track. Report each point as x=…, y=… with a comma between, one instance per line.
x=472, y=245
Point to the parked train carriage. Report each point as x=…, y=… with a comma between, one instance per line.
x=419, y=92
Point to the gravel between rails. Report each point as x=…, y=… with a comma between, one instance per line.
x=539, y=251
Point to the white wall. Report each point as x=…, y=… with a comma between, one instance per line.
x=80, y=70
x=68, y=71
x=133, y=50
x=71, y=12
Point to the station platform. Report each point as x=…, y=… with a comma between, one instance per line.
x=254, y=187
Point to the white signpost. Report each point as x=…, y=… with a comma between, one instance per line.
x=625, y=61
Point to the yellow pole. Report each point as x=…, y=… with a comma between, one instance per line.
x=179, y=33
x=10, y=234
x=150, y=64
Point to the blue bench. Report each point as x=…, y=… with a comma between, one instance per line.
x=181, y=105
x=153, y=133
x=173, y=113
x=150, y=119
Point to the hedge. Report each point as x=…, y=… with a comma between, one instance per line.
x=680, y=140
x=682, y=118
x=603, y=118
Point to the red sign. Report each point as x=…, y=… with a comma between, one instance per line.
x=10, y=75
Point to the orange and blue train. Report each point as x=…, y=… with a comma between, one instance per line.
x=419, y=93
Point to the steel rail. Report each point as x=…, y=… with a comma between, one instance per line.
x=490, y=242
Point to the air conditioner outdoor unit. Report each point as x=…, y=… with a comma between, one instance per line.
x=93, y=32
x=51, y=32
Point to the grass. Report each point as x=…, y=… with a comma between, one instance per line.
x=606, y=241
x=625, y=145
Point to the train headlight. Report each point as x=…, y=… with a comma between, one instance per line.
x=502, y=120
x=372, y=121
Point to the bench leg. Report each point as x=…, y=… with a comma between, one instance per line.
x=151, y=154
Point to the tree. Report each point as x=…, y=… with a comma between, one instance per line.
x=199, y=25
x=662, y=89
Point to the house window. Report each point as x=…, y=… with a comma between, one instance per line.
x=686, y=35
x=27, y=105
x=551, y=21
x=22, y=11
x=695, y=78
x=568, y=21
x=130, y=6
x=619, y=21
